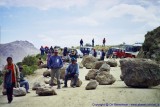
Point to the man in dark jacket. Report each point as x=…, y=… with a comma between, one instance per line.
x=72, y=71
x=102, y=55
x=55, y=64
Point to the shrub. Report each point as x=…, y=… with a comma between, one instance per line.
x=1, y=80
x=27, y=70
x=30, y=60
x=19, y=64
x=43, y=57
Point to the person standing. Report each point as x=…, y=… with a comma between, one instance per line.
x=102, y=55
x=81, y=42
x=94, y=53
x=55, y=64
x=11, y=78
x=51, y=49
x=42, y=50
x=72, y=71
x=104, y=41
x=93, y=42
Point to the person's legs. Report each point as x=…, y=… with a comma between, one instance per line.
x=57, y=71
x=65, y=80
x=75, y=80
x=26, y=84
x=9, y=94
x=52, y=76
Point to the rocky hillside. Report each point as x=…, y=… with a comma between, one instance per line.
x=151, y=46
x=17, y=49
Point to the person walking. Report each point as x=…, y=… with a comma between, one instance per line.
x=11, y=78
x=72, y=71
x=81, y=42
x=55, y=64
x=104, y=41
x=93, y=42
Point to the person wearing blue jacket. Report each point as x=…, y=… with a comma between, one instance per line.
x=55, y=64
x=72, y=71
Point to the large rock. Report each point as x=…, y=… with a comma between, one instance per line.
x=98, y=64
x=105, y=67
x=47, y=73
x=45, y=91
x=63, y=71
x=43, y=66
x=36, y=85
x=21, y=91
x=48, y=81
x=91, y=74
x=92, y=85
x=80, y=65
x=104, y=78
x=78, y=84
x=112, y=63
x=89, y=65
x=140, y=73
x=88, y=59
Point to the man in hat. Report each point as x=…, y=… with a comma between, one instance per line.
x=72, y=71
x=11, y=78
x=55, y=64
x=23, y=82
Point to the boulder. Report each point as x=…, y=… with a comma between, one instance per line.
x=47, y=73
x=45, y=91
x=91, y=74
x=112, y=63
x=48, y=81
x=140, y=73
x=62, y=71
x=21, y=91
x=80, y=65
x=89, y=65
x=92, y=85
x=105, y=67
x=104, y=78
x=36, y=85
x=79, y=82
x=43, y=66
x=88, y=59
x=98, y=64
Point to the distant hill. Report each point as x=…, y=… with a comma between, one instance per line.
x=17, y=50
x=151, y=46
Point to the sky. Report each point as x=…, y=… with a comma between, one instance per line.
x=65, y=22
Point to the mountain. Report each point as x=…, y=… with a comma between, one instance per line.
x=151, y=46
x=17, y=50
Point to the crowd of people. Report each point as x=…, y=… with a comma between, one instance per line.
x=14, y=77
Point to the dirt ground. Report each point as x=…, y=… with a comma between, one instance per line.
x=118, y=94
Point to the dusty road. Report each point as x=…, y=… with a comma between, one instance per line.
x=118, y=93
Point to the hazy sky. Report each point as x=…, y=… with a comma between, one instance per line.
x=65, y=22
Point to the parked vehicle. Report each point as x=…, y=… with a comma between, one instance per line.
x=79, y=53
x=126, y=51
x=86, y=50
